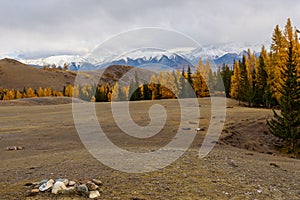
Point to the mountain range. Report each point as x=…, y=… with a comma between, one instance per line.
x=154, y=60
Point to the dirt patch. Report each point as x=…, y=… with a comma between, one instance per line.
x=251, y=132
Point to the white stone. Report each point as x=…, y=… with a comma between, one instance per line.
x=58, y=187
x=97, y=181
x=259, y=191
x=94, y=194
x=72, y=183
x=47, y=185
x=91, y=186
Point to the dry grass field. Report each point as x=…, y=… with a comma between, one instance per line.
x=243, y=165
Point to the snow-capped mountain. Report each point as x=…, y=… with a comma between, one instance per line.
x=58, y=60
x=153, y=58
x=171, y=61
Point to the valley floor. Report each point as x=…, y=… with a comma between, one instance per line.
x=243, y=165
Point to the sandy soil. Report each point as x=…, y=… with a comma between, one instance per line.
x=243, y=165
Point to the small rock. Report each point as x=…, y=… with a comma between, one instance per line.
x=274, y=165
x=58, y=187
x=72, y=183
x=94, y=194
x=82, y=189
x=259, y=191
x=199, y=129
x=68, y=191
x=97, y=181
x=232, y=163
x=91, y=186
x=14, y=148
x=83, y=181
x=35, y=191
x=46, y=186
x=38, y=184
x=64, y=180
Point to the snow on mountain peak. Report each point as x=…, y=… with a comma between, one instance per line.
x=58, y=60
x=145, y=55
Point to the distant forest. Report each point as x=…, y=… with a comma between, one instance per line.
x=257, y=81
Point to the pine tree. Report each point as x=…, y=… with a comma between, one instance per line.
x=226, y=74
x=243, y=81
x=262, y=92
x=18, y=94
x=235, y=80
x=219, y=82
x=251, y=93
x=68, y=91
x=147, y=94
x=189, y=76
x=30, y=93
x=122, y=95
x=171, y=90
x=100, y=94
x=40, y=92
x=201, y=80
x=24, y=92
x=211, y=78
x=287, y=124
x=135, y=92
x=278, y=55
x=115, y=92
x=47, y=92
x=183, y=90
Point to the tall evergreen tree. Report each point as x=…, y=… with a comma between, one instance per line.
x=219, y=81
x=147, y=94
x=135, y=92
x=287, y=124
x=226, y=74
x=183, y=90
x=122, y=95
x=235, y=81
x=243, y=81
x=189, y=76
x=261, y=80
x=200, y=84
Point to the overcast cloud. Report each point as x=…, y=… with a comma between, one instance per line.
x=77, y=26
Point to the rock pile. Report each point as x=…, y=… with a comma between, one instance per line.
x=14, y=148
x=88, y=188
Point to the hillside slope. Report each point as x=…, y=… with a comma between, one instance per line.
x=16, y=75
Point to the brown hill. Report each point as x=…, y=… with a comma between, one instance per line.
x=16, y=75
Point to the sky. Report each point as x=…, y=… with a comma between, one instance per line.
x=50, y=27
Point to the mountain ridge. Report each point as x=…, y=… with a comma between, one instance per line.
x=174, y=59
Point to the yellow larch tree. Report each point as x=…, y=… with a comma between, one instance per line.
x=234, y=91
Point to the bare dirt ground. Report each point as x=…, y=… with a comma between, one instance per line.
x=243, y=165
